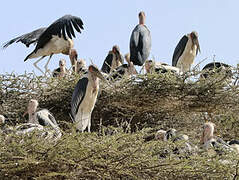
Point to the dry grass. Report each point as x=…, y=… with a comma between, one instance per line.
x=124, y=114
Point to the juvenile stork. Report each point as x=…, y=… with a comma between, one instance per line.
x=84, y=98
x=81, y=66
x=125, y=70
x=42, y=117
x=112, y=60
x=61, y=71
x=209, y=140
x=140, y=42
x=55, y=39
x=158, y=67
x=216, y=67
x=186, y=51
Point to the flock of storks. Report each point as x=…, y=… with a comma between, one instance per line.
x=57, y=38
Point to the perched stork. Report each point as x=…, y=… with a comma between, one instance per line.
x=81, y=66
x=113, y=60
x=42, y=117
x=158, y=67
x=125, y=70
x=140, y=42
x=61, y=71
x=55, y=39
x=84, y=98
x=209, y=140
x=185, y=52
x=73, y=59
x=215, y=67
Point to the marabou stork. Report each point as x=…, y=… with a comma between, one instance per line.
x=210, y=141
x=54, y=39
x=61, y=71
x=81, y=66
x=125, y=70
x=140, y=42
x=158, y=67
x=186, y=51
x=112, y=60
x=216, y=67
x=84, y=98
x=42, y=117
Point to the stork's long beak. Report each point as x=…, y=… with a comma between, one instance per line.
x=198, y=46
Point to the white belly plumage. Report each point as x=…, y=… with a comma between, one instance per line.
x=55, y=46
x=83, y=116
x=187, y=58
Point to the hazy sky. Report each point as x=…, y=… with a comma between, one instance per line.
x=108, y=23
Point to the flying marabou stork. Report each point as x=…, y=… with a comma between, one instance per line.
x=55, y=39
x=140, y=42
x=186, y=51
x=112, y=60
x=84, y=98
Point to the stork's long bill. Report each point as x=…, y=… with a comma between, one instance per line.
x=194, y=36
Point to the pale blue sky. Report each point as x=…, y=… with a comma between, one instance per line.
x=108, y=23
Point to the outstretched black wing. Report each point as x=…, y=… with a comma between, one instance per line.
x=61, y=27
x=26, y=39
x=179, y=50
x=78, y=95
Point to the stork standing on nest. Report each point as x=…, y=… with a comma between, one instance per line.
x=55, y=39
x=61, y=71
x=113, y=60
x=140, y=42
x=186, y=51
x=84, y=98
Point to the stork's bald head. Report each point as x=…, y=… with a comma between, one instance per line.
x=73, y=54
x=142, y=17
x=81, y=64
x=116, y=49
x=149, y=65
x=96, y=72
x=2, y=120
x=32, y=107
x=160, y=135
x=62, y=63
x=194, y=37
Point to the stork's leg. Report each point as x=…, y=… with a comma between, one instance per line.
x=89, y=124
x=46, y=65
x=35, y=64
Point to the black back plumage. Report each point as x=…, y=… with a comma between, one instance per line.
x=60, y=27
x=107, y=63
x=78, y=95
x=179, y=50
x=140, y=45
x=27, y=38
x=217, y=66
